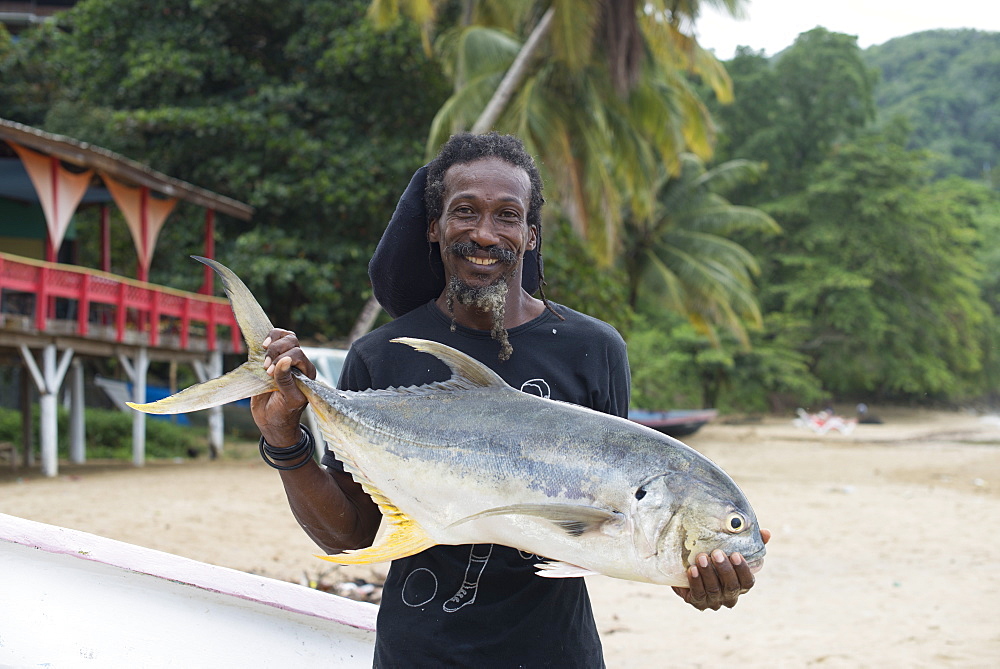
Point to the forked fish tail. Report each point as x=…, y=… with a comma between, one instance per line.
x=248, y=379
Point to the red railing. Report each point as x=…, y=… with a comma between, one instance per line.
x=94, y=304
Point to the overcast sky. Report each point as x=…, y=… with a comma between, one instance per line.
x=773, y=25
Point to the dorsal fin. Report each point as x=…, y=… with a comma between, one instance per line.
x=465, y=371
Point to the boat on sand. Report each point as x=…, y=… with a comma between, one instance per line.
x=676, y=423
x=73, y=599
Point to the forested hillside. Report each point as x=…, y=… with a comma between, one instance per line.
x=946, y=84
x=883, y=277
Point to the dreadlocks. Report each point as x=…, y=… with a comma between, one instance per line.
x=467, y=148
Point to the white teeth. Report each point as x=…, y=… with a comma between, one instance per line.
x=481, y=261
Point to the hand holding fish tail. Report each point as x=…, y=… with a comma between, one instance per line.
x=278, y=414
x=718, y=580
x=330, y=507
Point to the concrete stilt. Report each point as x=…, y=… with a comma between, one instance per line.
x=77, y=417
x=216, y=420
x=137, y=370
x=47, y=380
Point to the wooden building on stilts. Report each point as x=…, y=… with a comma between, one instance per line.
x=53, y=314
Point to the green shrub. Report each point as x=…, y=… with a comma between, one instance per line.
x=109, y=434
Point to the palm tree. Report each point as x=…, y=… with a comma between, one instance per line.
x=597, y=90
x=682, y=257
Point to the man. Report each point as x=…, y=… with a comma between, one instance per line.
x=479, y=205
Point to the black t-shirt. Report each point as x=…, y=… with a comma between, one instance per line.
x=482, y=605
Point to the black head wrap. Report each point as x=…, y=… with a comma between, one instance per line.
x=406, y=270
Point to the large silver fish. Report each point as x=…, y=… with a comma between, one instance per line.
x=472, y=460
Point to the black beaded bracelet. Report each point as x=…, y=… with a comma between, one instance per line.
x=305, y=445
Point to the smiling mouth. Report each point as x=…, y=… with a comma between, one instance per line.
x=482, y=261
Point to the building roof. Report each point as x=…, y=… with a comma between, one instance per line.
x=16, y=184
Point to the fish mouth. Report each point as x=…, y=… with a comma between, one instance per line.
x=756, y=561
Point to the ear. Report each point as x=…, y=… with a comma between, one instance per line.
x=432, y=231
x=532, y=238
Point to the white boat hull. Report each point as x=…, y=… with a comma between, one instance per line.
x=72, y=599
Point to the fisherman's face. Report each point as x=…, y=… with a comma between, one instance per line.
x=483, y=229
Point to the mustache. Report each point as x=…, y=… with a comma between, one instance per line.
x=505, y=256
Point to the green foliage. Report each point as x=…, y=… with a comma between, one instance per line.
x=876, y=288
x=675, y=366
x=883, y=266
x=663, y=355
x=109, y=434
x=773, y=374
x=683, y=257
x=945, y=84
x=792, y=111
x=302, y=109
x=575, y=279
x=30, y=78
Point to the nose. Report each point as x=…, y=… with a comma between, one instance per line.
x=484, y=233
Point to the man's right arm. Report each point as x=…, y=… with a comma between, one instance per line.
x=330, y=506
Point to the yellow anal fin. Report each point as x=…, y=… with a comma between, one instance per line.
x=400, y=544
x=404, y=536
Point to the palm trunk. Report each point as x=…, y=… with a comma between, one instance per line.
x=511, y=80
x=515, y=75
x=366, y=319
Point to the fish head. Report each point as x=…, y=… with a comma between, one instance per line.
x=676, y=516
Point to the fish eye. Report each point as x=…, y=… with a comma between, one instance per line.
x=640, y=493
x=735, y=523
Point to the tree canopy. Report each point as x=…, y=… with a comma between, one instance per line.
x=792, y=110
x=945, y=83
x=817, y=252
x=876, y=278
x=300, y=108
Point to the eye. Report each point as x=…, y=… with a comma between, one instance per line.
x=640, y=493
x=509, y=218
x=735, y=523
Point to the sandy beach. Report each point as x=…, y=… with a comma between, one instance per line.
x=881, y=556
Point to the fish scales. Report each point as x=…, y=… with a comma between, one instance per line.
x=527, y=453
x=472, y=460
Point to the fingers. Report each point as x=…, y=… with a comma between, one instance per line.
x=703, y=584
x=744, y=576
x=729, y=580
x=717, y=580
x=711, y=580
x=281, y=344
x=278, y=414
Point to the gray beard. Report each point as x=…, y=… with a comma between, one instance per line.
x=492, y=299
